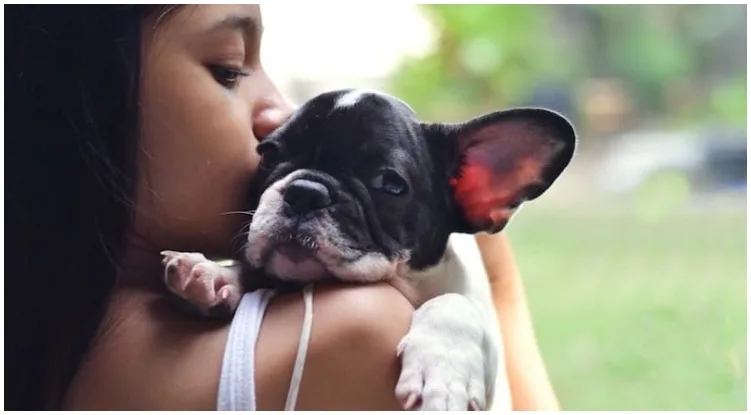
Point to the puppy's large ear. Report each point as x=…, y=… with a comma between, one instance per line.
x=502, y=159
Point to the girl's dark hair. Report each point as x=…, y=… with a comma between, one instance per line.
x=71, y=95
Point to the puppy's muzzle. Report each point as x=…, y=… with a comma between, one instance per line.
x=303, y=196
x=295, y=236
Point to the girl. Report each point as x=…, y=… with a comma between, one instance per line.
x=130, y=130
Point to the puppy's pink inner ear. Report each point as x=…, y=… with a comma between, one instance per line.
x=489, y=199
x=500, y=163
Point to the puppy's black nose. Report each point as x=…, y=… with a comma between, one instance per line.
x=305, y=195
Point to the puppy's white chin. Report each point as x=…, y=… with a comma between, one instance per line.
x=307, y=269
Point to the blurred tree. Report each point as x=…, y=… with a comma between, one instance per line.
x=491, y=56
x=482, y=59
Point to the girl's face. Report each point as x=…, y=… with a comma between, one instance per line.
x=205, y=103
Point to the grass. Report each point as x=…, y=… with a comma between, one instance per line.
x=638, y=316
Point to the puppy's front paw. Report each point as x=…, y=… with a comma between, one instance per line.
x=207, y=286
x=444, y=362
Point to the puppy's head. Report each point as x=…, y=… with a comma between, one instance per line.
x=355, y=187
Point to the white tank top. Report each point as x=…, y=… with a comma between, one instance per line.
x=237, y=378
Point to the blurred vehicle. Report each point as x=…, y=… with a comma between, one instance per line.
x=711, y=160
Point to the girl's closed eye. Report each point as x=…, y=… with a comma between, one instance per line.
x=227, y=76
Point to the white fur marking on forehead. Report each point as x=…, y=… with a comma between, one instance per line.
x=349, y=99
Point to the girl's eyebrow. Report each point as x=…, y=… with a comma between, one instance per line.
x=249, y=25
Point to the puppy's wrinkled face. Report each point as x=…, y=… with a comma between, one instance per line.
x=355, y=187
x=340, y=186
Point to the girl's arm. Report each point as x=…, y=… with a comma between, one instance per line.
x=528, y=378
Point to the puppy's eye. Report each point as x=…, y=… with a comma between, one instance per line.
x=270, y=154
x=389, y=182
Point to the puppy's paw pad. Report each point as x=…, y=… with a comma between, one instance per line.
x=178, y=267
x=228, y=294
x=199, y=281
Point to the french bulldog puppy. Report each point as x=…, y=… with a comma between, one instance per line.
x=355, y=187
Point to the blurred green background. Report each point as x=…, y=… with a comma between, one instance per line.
x=636, y=316
x=682, y=62
x=635, y=260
